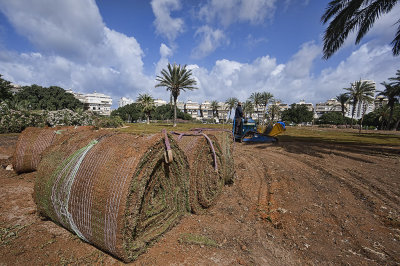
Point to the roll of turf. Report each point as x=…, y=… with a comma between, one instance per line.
x=226, y=142
x=114, y=190
x=33, y=141
x=204, y=157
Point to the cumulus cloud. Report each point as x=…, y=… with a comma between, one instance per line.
x=166, y=25
x=75, y=49
x=209, y=41
x=165, y=53
x=230, y=11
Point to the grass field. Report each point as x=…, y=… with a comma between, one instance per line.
x=306, y=134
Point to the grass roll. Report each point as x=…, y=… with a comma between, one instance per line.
x=114, y=190
x=205, y=158
x=33, y=141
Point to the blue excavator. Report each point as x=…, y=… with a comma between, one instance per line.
x=251, y=132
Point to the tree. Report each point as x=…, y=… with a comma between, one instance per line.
x=266, y=97
x=256, y=98
x=297, y=113
x=177, y=78
x=214, y=107
x=331, y=118
x=274, y=110
x=147, y=104
x=130, y=113
x=231, y=103
x=359, y=92
x=5, y=89
x=392, y=93
x=52, y=98
x=343, y=99
x=248, y=108
x=345, y=16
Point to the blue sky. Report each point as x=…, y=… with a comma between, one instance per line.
x=234, y=47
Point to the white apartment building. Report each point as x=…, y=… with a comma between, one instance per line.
x=159, y=102
x=331, y=105
x=96, y=102
x=124, y=101
x=193, y=109
x=281, y=107
x=310, y=106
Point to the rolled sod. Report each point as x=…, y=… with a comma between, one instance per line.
x=33, y=141
x=114, y=190
x=205, y=160
x=226, y=142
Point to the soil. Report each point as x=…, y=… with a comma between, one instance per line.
x=292, y=203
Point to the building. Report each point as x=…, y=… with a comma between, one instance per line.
x=310, y=106
x=380, y=101
x=331, y=105
x=362, y=107
x=96, y=102
x=276, y=109
x=159, y=102
x=193, y=109
x=124, y=101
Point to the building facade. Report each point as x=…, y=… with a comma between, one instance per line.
x=96, y=102
x=124, y=101
x=361, y=107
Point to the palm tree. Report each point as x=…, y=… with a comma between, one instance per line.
x=274, y=110
x=248, y=107
x=147, y=104
x=343, y=99
x=256, y=98
x=392, y=93
x=396, y=80
x=345, y=16
x=266, y=97
x=214, y=107
x=360, y=92
x=177, y=78
x=230, y=104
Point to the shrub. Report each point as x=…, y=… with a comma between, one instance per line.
x=108, y=122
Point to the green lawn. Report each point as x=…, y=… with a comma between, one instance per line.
x=310, y=134
x=306, y=134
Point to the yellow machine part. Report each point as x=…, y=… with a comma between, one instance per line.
x=276, y=130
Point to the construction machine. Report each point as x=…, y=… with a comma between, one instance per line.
x=251, y=132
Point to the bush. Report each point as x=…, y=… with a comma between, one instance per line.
x=108, y=122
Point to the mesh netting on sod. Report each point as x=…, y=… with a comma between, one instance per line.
x=205, y=158
x=114, y=190
x=33, y=141
x=225, y=140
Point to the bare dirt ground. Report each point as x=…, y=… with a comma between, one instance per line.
x=292, y=203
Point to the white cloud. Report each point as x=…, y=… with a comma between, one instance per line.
x=165, y=53
x=166, y=25
x=210, y=40
x=230, y=11
x=76, y=50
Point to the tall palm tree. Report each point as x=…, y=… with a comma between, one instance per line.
x=256, y=98
x=395, y=80
x=360, y=92
x=392, y=92
x=230, y=104
x=248, y=107
x=343, y=99
x=274, y=110
x=147, y=104
x=266, y=97
x=345, y=16
x=214, y=107
x=176, y=79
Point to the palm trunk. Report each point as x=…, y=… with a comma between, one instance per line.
x=174, y=111
x=390, y=117
x=148, y=119
x=352, y=113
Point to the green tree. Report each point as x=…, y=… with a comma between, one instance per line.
x=147, y=104
x=345, y=16
x=256, y=98
x=297, y=113
x=343, y=99
x=214, y=107
x=360, y=91
x=52, y=98
x=5, y=89
x=392, y=92
x=331, y=118
x=176, y=79
x=274, y=110
x=129, y=113
x=248, y=108
x=230, y=104
x=266, y=98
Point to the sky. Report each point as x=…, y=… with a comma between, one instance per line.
x=233, y=47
